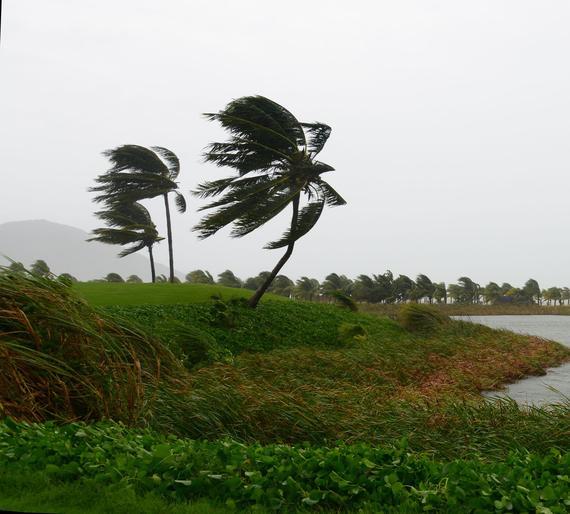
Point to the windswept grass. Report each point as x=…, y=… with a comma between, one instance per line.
x=60, y=358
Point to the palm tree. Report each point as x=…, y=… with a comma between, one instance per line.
x=274, y=156
x=307, y=288
x=140, y=173
x=130, y=224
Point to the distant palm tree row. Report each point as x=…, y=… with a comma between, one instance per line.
x=386, y=288
x=274, y=155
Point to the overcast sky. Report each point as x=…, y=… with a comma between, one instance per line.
x=451, y=122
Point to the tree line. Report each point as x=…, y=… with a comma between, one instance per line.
x=365, y=288
x=386, y=288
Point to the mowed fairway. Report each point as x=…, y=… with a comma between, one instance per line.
x=104, y=293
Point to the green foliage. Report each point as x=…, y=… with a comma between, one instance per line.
x=282, y=477
x=39, y=269
x=349, y=333
x=416, y=317
x=114, y=278
x=344, y=300
x=193, y=346
x=200, y=277
x=134, y=279
x=66, y=278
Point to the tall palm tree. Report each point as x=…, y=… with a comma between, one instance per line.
x=131, y=225
x=274, y=156
x=140, y=173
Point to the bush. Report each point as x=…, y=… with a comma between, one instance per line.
x=344, y=300
x=193, y=346
x=416, y=317
x=349, y=333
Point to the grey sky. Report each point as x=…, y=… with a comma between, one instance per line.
x=451, y=122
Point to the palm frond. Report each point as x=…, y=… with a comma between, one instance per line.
x=306, y=220
x=259, y=119
x=332, y=198
x=171, y=158
x=136, y=159
x=265, y=210
x=318, y=136
x=180, y=202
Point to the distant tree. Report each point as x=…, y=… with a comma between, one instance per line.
x=335, y=282
x=307, y=288
x=425, y=288
x=134, y=279
x=440, y=292
x=283, y=286
x=505, y=288
x=161, y=279
x=375, y=289
x=228, y=279
x=40, y=269
x=199, y=276
x=254, y=283
x=553, y=294
x=492, y=293
x=565, y=295
x=17, y=267
x=532, y=290
x=402, y=287
x=275, y=158
x=140, y=173
x=67, y=278
x=465, y=291
x=114, y=277
x=130, y=224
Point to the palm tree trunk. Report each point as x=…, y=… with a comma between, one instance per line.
x=152, y=271
x=169, y=236
x=254, y=300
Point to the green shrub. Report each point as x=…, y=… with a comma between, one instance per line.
x=416, y=317
x=194, y=346
x=349, y=333
x=344, y=300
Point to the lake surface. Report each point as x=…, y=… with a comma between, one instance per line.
x=550, y=388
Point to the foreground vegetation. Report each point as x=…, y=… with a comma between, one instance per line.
x=286, y=477
x=292, y=405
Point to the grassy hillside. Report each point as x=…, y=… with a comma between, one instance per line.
x=104, y=293
x=374, y=412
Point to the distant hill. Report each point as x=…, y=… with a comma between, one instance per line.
x=66, y=250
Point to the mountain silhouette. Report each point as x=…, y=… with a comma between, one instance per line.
x=66, y=250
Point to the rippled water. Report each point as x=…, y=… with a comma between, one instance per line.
x=550, y=388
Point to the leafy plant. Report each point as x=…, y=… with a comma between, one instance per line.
x=352, y=333
x=416, y=317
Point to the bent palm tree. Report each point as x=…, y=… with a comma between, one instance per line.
x=140, y=173
x=132, y=226
x=274, y=156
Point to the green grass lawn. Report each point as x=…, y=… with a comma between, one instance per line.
x=101, y=293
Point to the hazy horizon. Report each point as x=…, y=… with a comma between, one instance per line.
x=450, y=121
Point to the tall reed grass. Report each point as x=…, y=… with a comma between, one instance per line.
x=62, y=359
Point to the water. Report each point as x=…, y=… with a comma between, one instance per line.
x=550, y=388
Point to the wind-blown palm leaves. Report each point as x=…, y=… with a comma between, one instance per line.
x=140, y=173
x=274, y=156
x=130, y=224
